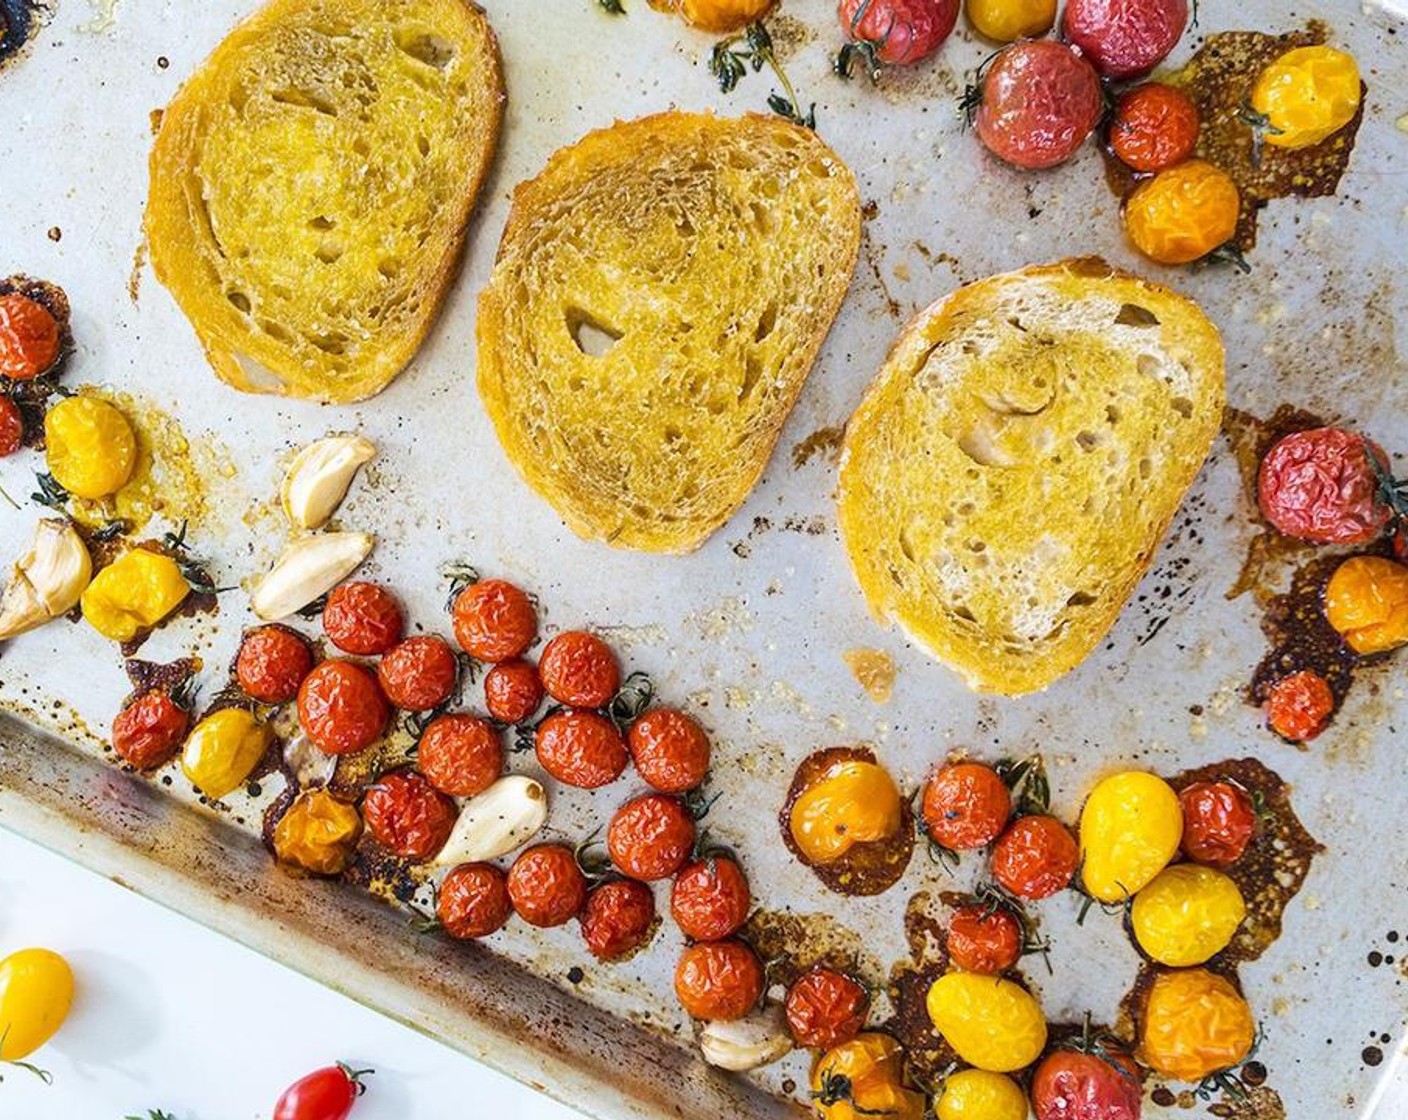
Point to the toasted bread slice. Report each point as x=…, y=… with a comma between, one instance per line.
x=311, y=184
x=660, y=294
x=1014, y=465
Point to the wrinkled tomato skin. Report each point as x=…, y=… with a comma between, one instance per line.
x=460, y=754
x=710, y=899
x=581, y=749
x=718, y=981
x=825, y=1009
x=651, y=837
x=617, y=918
x=984, y=940
x=30, y=338
x=1124, y=38
x=363, y=618
x=903, y=32
x=1219, y=821
x=408, y=816
x=341, y=707
x=1299, y=707
x=1035, y=858
x=512, y=691
x=494, y=621
x=1075, y=1086
x=419, y=673
x=473, y=901
x=966, y=806
x=11, y=427
x=325, y=1094
x=1321, y=486
x=271, y=663
x=1154, y=126
x=579, y=669
x=670, y=750
x=547, y=886
x=148, y=732
x=1040, y=100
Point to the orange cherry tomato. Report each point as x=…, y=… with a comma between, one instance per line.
x=547, y=886
x=984, y=939
x=1035, y=858
x=710, y=898
x=473, y=901
x=272, y=662
x=719, y=981
x=825, y=1008
x=419, y=673
x=29, y=338
x=670, y=750
x=651, y=837
x=512, y=691
x=966, y=806
x=1299, y=706
x=341, y=707
x=150, y=730
x=1184, y=213
x=11, y=427
x=494, y=620
x=579, y=669
x=1219, y=821
x=363, y=618
x=1366, y=600
x=460, y=754
x=1154, y=127
x=581, y=749
x=408, y=816
x=617, y=918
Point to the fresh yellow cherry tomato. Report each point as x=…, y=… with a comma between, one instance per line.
x=864, y=1077
x=976, y=1094
x=222, y=750
x=1187, y=914
x=90, y=447
x=36, y=991
x=1004, y=21
x=1129, y=831
x=991, y=1023
x=1366, y=600
x=1195, y=1023
x=1183, y=213
x=853, y=802
x=1306, y=96
x=133, y=593
x=318, y=833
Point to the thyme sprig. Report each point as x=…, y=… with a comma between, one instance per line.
x=631, y=699
x=461, y=576
x=1261, y=127
x=1229, y=253
x=732, y=58
x=154, y=1114
x=50, y=493
x=1228, y=1082
x=193, y=568
x=1027, y=780
x=611, y=7
x=43, y=1074
x=867, y=51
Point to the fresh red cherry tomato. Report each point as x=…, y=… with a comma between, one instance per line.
x=1035, y=858
x=419, y=673
x=1327, y=486
x=272, y=662
x=512, y=691
x=965, y=806
x=1071, y=1085
x=670, y=750
x=1219, y=821
x=579, y=669
x=363, y=618
x=325, y=1094
x=11, y=427
x=651, y=837
x=1038, y=102
x=494, y=620
x=1124, y=38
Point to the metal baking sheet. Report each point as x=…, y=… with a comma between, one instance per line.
x=749, y=631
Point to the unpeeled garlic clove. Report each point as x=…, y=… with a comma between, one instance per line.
x=309, y=567
x=758, y=1039
x=504, y=817
x=47, y=580
x=319, y=476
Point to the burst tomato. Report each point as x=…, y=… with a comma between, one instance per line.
x=898, y=32
x=1327, y=486
x=1036, y=857
x=11, y=427
x=1219, y=821
x=579, y=669
x=651, y=837
x=408, y=816
x=1038, y=102
x=1124, y=38
x=1154, y=126
x=710, y=898
x=984, y=939
x=546, y=885
x=1071, y=1085
x=272, y=662
x=1299, y=706
x=460, y=754
x=149, y=731
x=473, y=901
x=966, y=806
x=825, y=1009
x=718, y=981
x=363, y=618
x=617, y=918
x=419, y=673
x=341, y=707
x=30, y=338
x=670, y=750
x=325, y=1094
x=580, y=749
x=494, y=620
x=512, y=691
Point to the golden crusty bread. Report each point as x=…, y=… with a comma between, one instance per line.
x=311, y=184
x=661, y=291
x=1015, y=463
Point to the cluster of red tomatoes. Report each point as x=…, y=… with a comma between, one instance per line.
x=33, y=320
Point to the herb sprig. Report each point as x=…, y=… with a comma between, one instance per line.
x=732, y=58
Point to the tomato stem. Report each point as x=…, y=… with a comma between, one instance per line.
x=355, y=1076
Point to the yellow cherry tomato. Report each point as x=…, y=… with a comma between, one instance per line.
x=36, y=991
x=1195, y=1023
x=318, y=833
x=1366, y=600
x=976, y=1094
x=133, y=593
x=991, y=1023
x=717, y=16
x=853, y=802
x=1130, y=829
x=1004, y=21
x=1184, y=213
x=1306, y=96
x=1187, y=914
x=222, y=749
x=864, y=1077
x=90, y=447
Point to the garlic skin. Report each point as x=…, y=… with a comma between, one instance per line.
x=505, y=816
x=756, y=1040
x=319, y=477
x=47, y=580
x=308, y=568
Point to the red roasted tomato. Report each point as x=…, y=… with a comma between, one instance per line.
x=408, y=816
x=617, y=918
x=29, y=338
x=984, y=939
x=1323, y=486
x=341, y=707
x=966, y=806
x=1035, y=858
x=1154, y=126
x=150, y=730
x=460, y=754
x=710, y=898
x=1299, y=706
x=363, y=618
x=1124, y=38
x=825, y=1009
x=718, y=981
x=1219, y=821
x=473, y=901
x=271, y=664
x=1070, y=1085
x=494, y=620
x=11, y=427
x=419, y=673
x=581, y=749
x=325, y=1094
x=670, y=750
x=512, y=691
x=1039, y=101
x=651, y=837
x=547, y=886
x=579, y=669
x=898, y=32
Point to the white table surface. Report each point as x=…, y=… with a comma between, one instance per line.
x=151, y=1027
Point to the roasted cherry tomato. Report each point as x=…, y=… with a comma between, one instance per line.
x=710, y=898
x=473, y=901
x=89, y=447
x=408, y=816
x=1130, y=829
x=720, y=17
x=341, y=707
x=670, y=750
x=1036, y=857
x=30, y=338
x=1187, y=915
x=325, y=1094
x=318, y=833
x=271, y=664
x=1194, y=1024
x=547, y=886
x=651, y=837
x=460, y=754
x=1306, y=96
x=512, y=691
x=1005, y=21
x=1124, y=38
x=853, y=802
x=825, y=1008
x=1366, y=600
x=1072, y=1085
x=617, y=918
x=579, y=669
x=1218, y=822
x=1184, y=213
x=993, y=1024
x=150, y=730
x=718, y=981
x=494, y=621
x=976, y=1094
x=223, y=749
x=1299, y=706
x=864, y=1077
x=898, y=32
x=966, y=806
x=1327, y=486
x=1038, y=102
x=363, y=618
x=984, y=939
x=11, y=427
x=419, y=673
x=581, y=749
x=134, y=594
x=36, y=991
x=1154, y=127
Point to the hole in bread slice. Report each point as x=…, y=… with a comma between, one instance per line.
x=425, y=47
x=593, y=337
x=305, y=99
x=1132, y=315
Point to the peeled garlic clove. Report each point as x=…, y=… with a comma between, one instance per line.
x=504, y=817
x=308, y=568
x=47, y=580
x=318, y=478
x=756, y=1040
